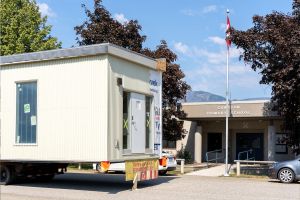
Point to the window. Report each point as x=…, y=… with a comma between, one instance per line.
x=214, y=141
x=169, y=144
x=126, y=137
x=281, y=143
x=148, y=121
x=26, y=112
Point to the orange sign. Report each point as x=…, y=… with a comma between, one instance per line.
x=144, y=169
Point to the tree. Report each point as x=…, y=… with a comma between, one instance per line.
x=22, y=29
x=272, y=47
x=101, y=27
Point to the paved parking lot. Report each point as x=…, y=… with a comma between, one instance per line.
x=112, y=186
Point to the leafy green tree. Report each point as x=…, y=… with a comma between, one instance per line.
x=101, y=27
x=22, y=29
x=272, y=46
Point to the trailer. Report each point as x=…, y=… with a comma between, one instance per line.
x=90, y=104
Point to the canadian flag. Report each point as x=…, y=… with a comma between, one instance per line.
x=228, y=41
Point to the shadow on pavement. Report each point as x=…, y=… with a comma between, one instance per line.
x=110, y=183
x=277, y=181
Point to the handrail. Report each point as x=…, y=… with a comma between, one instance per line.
x=215, y=157
x=247, y=154
x=238, y=164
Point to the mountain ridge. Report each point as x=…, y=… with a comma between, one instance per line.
x=203, y=96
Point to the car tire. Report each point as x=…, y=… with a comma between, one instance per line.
x=286, y=175
x=7, y=175
x=162, y=172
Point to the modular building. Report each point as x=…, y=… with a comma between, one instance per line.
x=255, y=132
x=84, y=104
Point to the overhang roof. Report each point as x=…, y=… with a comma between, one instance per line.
x=237, y=109
x=89, y=50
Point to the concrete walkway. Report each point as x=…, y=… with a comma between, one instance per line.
x=212, y=171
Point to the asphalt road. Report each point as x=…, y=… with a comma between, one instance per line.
x=75, y=186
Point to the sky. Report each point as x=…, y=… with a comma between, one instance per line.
x=193, y=29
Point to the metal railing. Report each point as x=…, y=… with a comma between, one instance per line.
x=214, y=156
x=239, y=162
x=247, y=153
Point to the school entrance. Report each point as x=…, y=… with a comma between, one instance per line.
x=249, y=146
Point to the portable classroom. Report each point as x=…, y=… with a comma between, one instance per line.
x=84, y=104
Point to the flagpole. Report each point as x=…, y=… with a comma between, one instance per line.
x=227, y=109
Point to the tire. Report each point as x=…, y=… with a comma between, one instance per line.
x=7, y=175
x=286, y=175
x=162, y=172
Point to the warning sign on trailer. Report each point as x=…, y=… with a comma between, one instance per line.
x=143, y=169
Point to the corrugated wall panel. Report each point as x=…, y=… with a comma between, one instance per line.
x=71, y=110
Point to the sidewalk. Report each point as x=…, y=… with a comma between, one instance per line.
x=212, y=171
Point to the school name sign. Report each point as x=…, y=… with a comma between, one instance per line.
x=259, y=108
x=233, y=110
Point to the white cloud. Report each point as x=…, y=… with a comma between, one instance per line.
x=46, y=10
x=217, y=40
x=209, y=71
x=180, y=47
x=121, y=18
x=209, y=9
x=189, y=12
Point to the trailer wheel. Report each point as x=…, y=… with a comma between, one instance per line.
x=7, y=175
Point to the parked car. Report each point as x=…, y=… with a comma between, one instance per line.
x=171, y=163
x=287, y=171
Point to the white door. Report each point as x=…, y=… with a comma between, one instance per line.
x=138, y=122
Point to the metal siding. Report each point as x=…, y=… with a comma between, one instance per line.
x=71, y=110
x=135, y=78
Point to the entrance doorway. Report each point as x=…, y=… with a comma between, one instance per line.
x=249, y=141
x=138, y=122
x=214, y=141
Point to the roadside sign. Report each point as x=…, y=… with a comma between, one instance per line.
x=141, y=169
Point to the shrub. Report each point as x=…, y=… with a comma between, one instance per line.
x=185, y=154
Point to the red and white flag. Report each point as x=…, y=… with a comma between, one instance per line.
x=228, y=41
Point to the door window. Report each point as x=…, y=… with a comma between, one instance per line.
x=126, y=132
x=148, y=120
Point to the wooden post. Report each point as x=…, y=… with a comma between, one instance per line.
x=135, y=181
x=238, y=168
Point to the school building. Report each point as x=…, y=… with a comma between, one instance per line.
x=255, y=132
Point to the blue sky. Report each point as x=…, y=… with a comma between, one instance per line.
x=195, y=30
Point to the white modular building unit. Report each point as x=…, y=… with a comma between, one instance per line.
x=85, y=104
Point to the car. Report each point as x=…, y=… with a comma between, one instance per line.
x=286, y=171
x=167, y=162
x=171, y=163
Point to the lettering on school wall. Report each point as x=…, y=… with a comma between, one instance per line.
x=234, y=110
